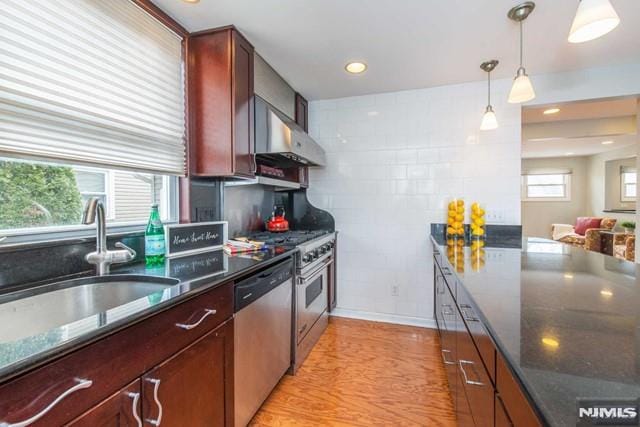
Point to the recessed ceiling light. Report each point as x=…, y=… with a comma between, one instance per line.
x=607, y=142
x=569, y=153
x=355, y=67
x=568, y=276
x=191, y=1
x=551, y=111
x=606, y=293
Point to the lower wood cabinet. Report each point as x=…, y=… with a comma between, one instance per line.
x=502, y=419
x=122, y=409
x=477, y=374
x=191, y=388
x=174, y=368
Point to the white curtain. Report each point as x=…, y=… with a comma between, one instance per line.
x=94, y=82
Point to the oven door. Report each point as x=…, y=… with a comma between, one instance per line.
x=311, y=297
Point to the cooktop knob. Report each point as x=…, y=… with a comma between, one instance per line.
x=306, y=258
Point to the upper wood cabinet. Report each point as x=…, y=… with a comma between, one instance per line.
x=221, y=111
x=302, y=112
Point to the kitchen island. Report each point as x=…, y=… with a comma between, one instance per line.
x=551, y=324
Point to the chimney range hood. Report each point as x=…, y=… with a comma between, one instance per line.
x=281, y=142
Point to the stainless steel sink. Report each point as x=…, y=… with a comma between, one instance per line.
x=35, y=311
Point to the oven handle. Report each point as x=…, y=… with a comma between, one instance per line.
x=312, y=275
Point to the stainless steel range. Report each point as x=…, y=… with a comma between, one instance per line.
x=314, y=284
x=314, y=277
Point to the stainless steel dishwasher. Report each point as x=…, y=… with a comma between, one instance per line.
x=262, y=337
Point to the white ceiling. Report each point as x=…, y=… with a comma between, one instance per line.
x=574, y=146
x=407, y=43
x=579, y=128
x=582, y=110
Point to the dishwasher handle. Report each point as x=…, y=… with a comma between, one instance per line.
x=252, y=288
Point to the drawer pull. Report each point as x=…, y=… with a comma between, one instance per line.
x=81, y=384
x=444, y=357
x=156, y=387
x=466, y=315
x=208, y=312
x=464, y=374
x=134, y=407
x=448, y=312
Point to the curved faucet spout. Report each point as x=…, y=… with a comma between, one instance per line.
x=102, y=257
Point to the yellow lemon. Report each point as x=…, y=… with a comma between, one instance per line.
x=460, y=209
x=460, y=202
x=480, y=221
x=450, y=230
x=475, y=206
x=480, y=212
x=459, y=217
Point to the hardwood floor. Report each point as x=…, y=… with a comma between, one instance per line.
x=365, y=374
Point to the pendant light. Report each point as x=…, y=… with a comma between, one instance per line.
x=594, y=19
x=489, y=120
x=522, y=89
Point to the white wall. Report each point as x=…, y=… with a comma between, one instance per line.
x=537, y=216
x=395, y=159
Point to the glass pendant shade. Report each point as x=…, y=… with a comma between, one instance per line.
x=522, y=89
x=489, y=120
x=594, y=19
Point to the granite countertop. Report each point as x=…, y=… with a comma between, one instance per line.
x=567, y=320
x=195, y=274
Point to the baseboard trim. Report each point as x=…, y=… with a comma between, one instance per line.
x=385, y=318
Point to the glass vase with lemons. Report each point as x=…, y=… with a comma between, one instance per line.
x=455, y=218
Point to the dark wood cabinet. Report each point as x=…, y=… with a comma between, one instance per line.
x=502, y=419
x=192, y=388
x=302, y=112
x=476, y=372
x=189, y=346
x=221, y=109
x=122, y=409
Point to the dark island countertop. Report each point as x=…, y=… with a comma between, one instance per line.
x=196, y=274
x=565, y=319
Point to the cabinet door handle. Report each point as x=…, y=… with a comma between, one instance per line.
x=156, y=387
x=81, y=384
x=444, y=357
x=134, y=407
x=207, y=312
x=464, y=374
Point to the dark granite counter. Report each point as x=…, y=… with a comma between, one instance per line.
x=195, y=273
x=567, y=320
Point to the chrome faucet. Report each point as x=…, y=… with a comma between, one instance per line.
x=102, y=258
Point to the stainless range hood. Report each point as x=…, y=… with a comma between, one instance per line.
x=281, y=142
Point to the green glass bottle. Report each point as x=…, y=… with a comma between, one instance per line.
x=154, y=244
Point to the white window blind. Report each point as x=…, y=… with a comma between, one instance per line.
x=91, y=82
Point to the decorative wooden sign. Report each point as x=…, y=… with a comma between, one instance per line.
x=188, y=239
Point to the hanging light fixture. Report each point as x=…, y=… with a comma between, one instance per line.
x=489, y=120
x=594, y=18
x=522, y=89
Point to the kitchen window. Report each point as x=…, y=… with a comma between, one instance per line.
x=92, y=104
x=38, y=197
x=628, y=180
x=546, y=187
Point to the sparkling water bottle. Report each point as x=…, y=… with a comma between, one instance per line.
x=154, y=244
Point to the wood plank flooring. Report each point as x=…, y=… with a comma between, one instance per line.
x=365, y=374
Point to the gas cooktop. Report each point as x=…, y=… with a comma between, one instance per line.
x=288, y=238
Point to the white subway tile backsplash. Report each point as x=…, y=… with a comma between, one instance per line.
x=394, y=162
